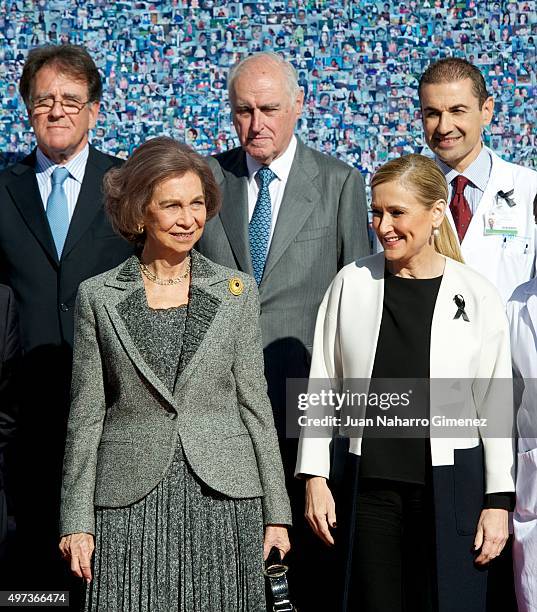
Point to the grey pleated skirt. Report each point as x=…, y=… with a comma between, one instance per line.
x=182, y=547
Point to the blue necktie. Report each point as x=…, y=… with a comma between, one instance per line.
x=259, y=228
x=57, y=211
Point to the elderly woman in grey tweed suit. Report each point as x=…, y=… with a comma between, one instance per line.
x=172, y=473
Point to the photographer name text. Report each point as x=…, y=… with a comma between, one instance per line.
x=388, y=421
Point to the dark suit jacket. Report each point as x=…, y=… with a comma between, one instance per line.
x=321, y=226
x=9, y=353
x=45, y=288
x=45, y=291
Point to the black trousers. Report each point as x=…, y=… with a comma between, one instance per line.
x=394, y=552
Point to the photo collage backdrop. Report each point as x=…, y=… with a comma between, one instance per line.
x=164, y=67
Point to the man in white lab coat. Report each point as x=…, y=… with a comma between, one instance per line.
x=491, y=200
x=522, y=313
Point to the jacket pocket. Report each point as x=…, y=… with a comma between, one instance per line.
x=116, y=435
x=116, y=463
x=313, y=233
x=469, y=482
x=238, y=434
x=526, y=485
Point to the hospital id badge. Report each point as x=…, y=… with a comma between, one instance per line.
x=501, y=219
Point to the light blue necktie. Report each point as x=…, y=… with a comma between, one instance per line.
x=57, y=211
x=259, y=228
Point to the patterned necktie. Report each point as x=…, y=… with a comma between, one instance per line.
x=57, y=211
x=460, y=209
x=259, y=228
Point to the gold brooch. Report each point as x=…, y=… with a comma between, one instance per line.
x=236, y=286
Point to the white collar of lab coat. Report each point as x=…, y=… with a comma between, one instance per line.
x=501, y=175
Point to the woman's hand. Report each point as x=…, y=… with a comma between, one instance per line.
x=78, y=549
x=320, y=508
x=276, y=535
x=491, y=535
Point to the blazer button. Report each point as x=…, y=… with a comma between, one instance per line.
x=64, y=307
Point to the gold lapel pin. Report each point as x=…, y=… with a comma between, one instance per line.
x=236, y=286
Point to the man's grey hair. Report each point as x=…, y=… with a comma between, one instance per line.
x=286, y=68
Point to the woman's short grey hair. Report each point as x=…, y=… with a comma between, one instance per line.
x=286, y=68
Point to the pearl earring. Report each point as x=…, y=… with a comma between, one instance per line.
x=436, y=232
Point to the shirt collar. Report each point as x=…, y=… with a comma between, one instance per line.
x=281, y=166
x=478, y=172
x=76, y=166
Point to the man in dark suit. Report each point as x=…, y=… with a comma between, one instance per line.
x=291, y=217
x=9, y=355
x=53, y=234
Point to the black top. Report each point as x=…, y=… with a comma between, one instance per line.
x=157, y=334
x=403, y=351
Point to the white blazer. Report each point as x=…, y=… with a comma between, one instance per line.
x=506, y=262
x=522, y=313
x=346, y=336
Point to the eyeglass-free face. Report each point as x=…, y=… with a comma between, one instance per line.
x=453, y=121
x=61, y=135
x=264, y=111
x=175, y=217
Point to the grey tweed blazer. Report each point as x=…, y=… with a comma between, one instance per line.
x=124, y=421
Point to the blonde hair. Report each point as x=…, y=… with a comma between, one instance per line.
x=424, y=178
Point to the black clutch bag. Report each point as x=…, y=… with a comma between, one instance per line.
x=277, y=586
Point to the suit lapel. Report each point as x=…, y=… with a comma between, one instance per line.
x=89, y=199
x=203, y=307
x=366, y=328
x=234, y=214
x=128, y=279
x=27, y=198
x=298, y=203
x=448, y=332
x=202, y=310
x=134, y=355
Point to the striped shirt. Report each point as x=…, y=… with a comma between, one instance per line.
x=76, y=167
x=478, y=173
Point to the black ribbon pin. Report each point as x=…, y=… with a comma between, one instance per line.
x=459, y=302
x=507, y=196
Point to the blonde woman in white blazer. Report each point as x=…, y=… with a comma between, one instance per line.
x=463, y=493
x=522, y=314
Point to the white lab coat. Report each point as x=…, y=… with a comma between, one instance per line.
x=522, y=313
x=507, y=262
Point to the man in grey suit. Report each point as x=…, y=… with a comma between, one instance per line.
x=291, y=217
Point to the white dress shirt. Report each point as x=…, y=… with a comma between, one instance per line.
x=478, y=173
x=76, y=168
x=281, y=167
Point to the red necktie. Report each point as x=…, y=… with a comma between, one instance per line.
x=460, y=209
